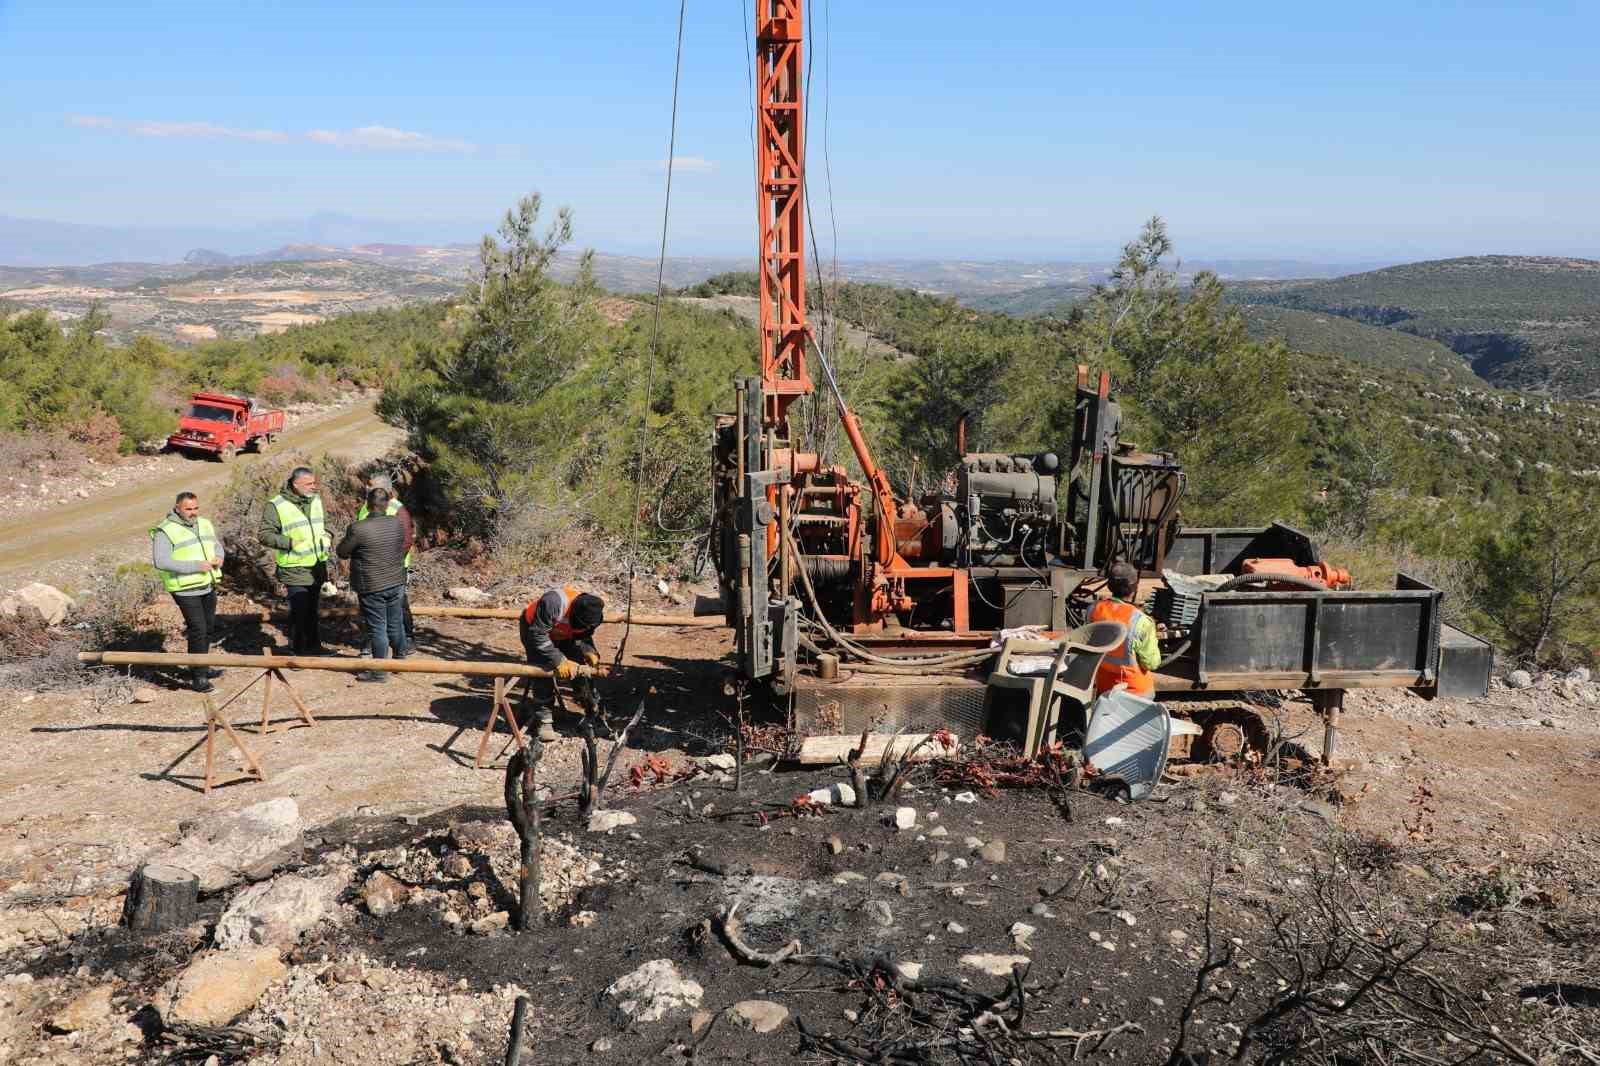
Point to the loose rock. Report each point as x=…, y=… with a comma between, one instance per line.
x=145, y=694
x=469, y=595
x=652, y=992
x=994, y=851
x=994, y=965
x=220, y=848
x=902, y=819
x=277, y=912
x=382, y=894
x=1519, y=679
x=217, y=988
x=839, y=795
x=51, y=603
x=759, y=1015
x=605, y=821
x=85, y=1012
x=491, y=924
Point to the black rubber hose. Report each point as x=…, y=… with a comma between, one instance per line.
x=1261, y=579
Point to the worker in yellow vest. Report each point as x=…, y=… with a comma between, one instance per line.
x=1133, y=662
x=557, y=631
x=292, y=526
x=400, y=511
x=186, y=552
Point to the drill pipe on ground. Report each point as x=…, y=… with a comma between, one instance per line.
x=343, y=666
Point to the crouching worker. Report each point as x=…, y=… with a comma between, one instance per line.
x=557, y=635
x=1132, y=662
x=185, y=550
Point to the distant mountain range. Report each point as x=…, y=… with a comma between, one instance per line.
x=30, y=242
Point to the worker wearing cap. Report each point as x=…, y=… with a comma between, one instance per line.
x=186, y=552
x=1133, y=662
x=557, y=632
x=292, y=526
x=398, y=510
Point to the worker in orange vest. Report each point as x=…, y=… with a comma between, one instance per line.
x=1133, y=661
x=557, y=632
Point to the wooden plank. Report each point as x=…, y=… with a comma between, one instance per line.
x=831, y=750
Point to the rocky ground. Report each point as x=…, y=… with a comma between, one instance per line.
x=355, y=907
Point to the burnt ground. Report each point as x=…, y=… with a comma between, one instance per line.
x=1469, y=824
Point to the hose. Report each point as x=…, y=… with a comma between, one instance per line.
x=953, y=659
x=1261, y=579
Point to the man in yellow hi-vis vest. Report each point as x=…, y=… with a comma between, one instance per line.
x=400, y=511
x=292, y=526
x=187, y=553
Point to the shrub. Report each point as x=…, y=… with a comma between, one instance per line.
x=23, y=635
x=286, y=385
x=33, y=453
x=99, y=433
x=116, y=612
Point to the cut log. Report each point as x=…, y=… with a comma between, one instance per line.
x=831, y=750
x=162, y=898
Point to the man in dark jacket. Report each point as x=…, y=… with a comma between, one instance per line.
x=557, y=633
x=376, y=547
x=292, y=526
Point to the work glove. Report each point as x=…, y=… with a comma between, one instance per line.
x=592, y=658
x=567, y=670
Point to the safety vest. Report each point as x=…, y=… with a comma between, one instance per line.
x=1121, y=666
x=190, y=544
x=562, y=630
x=394, y=507
x=305, y=529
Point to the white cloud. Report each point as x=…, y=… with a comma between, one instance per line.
x=388, y=139
x=142, y=128
x=689, y=164
x=362, y=138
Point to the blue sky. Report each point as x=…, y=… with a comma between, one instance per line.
x=1040, y=131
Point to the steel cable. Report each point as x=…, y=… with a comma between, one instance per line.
x=655, y=344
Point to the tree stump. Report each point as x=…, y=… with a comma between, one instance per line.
x=162, y=898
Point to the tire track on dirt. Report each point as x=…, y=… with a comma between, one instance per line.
x=66, y=540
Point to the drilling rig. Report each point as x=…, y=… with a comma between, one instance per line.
x=820, y=564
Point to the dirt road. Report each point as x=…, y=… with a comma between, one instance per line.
x=111, y=526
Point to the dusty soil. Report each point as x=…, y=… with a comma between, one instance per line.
x=102, y=517
x=1485, y=831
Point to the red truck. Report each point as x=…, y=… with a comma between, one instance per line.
x=223, y=425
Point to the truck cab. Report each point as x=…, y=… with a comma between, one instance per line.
x=221, y=424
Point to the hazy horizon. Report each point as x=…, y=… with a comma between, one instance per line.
x=1387, y=133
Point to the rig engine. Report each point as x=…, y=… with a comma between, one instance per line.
x=1004, y=510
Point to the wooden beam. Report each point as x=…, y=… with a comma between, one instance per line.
x=477, y=668
x=830, y=750
x=509, y=614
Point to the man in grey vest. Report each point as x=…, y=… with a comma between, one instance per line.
x=376, y=547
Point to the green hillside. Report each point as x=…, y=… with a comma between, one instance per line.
x=1046, y=300
x=1320, y=334
x=1523, y=322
